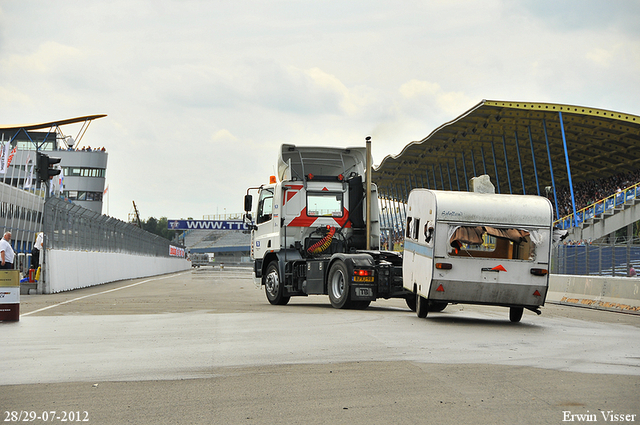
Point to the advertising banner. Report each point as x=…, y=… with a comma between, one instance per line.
x=176, y=251
x=206, y=225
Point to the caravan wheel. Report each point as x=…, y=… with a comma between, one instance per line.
x=515, y=314
x=422, y=306
x=437, y=306
x=411, y=302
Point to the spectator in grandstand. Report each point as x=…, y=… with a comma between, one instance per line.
x=590, y=192
x=6, y=252
x=632, y=272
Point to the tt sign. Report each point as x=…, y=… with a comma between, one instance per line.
x=206, y=225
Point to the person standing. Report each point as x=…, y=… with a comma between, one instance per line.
x=6, y=252
x=35, y=252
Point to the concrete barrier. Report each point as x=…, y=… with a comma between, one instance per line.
x=620, y=294
x=68, y=270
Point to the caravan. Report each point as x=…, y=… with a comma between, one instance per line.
x=477, y=248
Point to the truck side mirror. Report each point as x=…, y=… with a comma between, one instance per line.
x=248, y=200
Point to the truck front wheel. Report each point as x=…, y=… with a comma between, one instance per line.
x=338, y=285
x=273, y=286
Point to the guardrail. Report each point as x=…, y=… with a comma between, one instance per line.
x=621, y=294
x=71, y=227
x=599, y=209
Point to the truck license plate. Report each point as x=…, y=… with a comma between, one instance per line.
x=363, y=278
x=363, y=292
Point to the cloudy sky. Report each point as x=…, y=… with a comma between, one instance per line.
x=200, y=94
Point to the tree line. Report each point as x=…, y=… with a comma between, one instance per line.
x=158, y=227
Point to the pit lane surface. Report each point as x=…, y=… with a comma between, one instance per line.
x=205, y=346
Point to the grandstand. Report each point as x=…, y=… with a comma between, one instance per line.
x=227, y=246
x=585, y=160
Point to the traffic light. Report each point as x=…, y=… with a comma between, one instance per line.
x=45, y=172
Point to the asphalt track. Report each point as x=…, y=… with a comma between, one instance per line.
x=205, y=346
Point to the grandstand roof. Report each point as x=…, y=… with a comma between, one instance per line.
x=510, y=137
x=43, y=125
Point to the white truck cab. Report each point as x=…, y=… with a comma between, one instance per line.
x=310, y=236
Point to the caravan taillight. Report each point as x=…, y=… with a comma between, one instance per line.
x=539, y=272
x=444, y=266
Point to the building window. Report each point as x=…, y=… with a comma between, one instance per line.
x=84, y=172
x=81, y=195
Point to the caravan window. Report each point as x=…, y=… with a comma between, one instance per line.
x=428, y=232
x=415, y=228
x=491, y=242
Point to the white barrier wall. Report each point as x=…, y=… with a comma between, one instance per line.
x=600, y=292
x=67, y=270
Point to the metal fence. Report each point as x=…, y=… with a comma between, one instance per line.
x=21, y=214
x=71, y=227
x=595, y=259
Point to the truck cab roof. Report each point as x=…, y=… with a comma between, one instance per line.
x=297, y=162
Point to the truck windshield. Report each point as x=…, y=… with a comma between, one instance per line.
x=491, y=242
x=324, y=204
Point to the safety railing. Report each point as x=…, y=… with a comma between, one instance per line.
x=595, y=259
x=71, y=227
x=600, y=209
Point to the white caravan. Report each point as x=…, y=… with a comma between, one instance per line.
x=477, y=248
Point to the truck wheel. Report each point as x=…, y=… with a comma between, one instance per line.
x=411, y=302
x=338, y=285
x=273, y=286
x=515, y=314
x=422, y=306
x=436, y=307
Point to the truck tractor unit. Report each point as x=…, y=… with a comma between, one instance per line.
x=316, y=230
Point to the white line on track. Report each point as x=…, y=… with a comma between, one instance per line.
x=100, y=293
